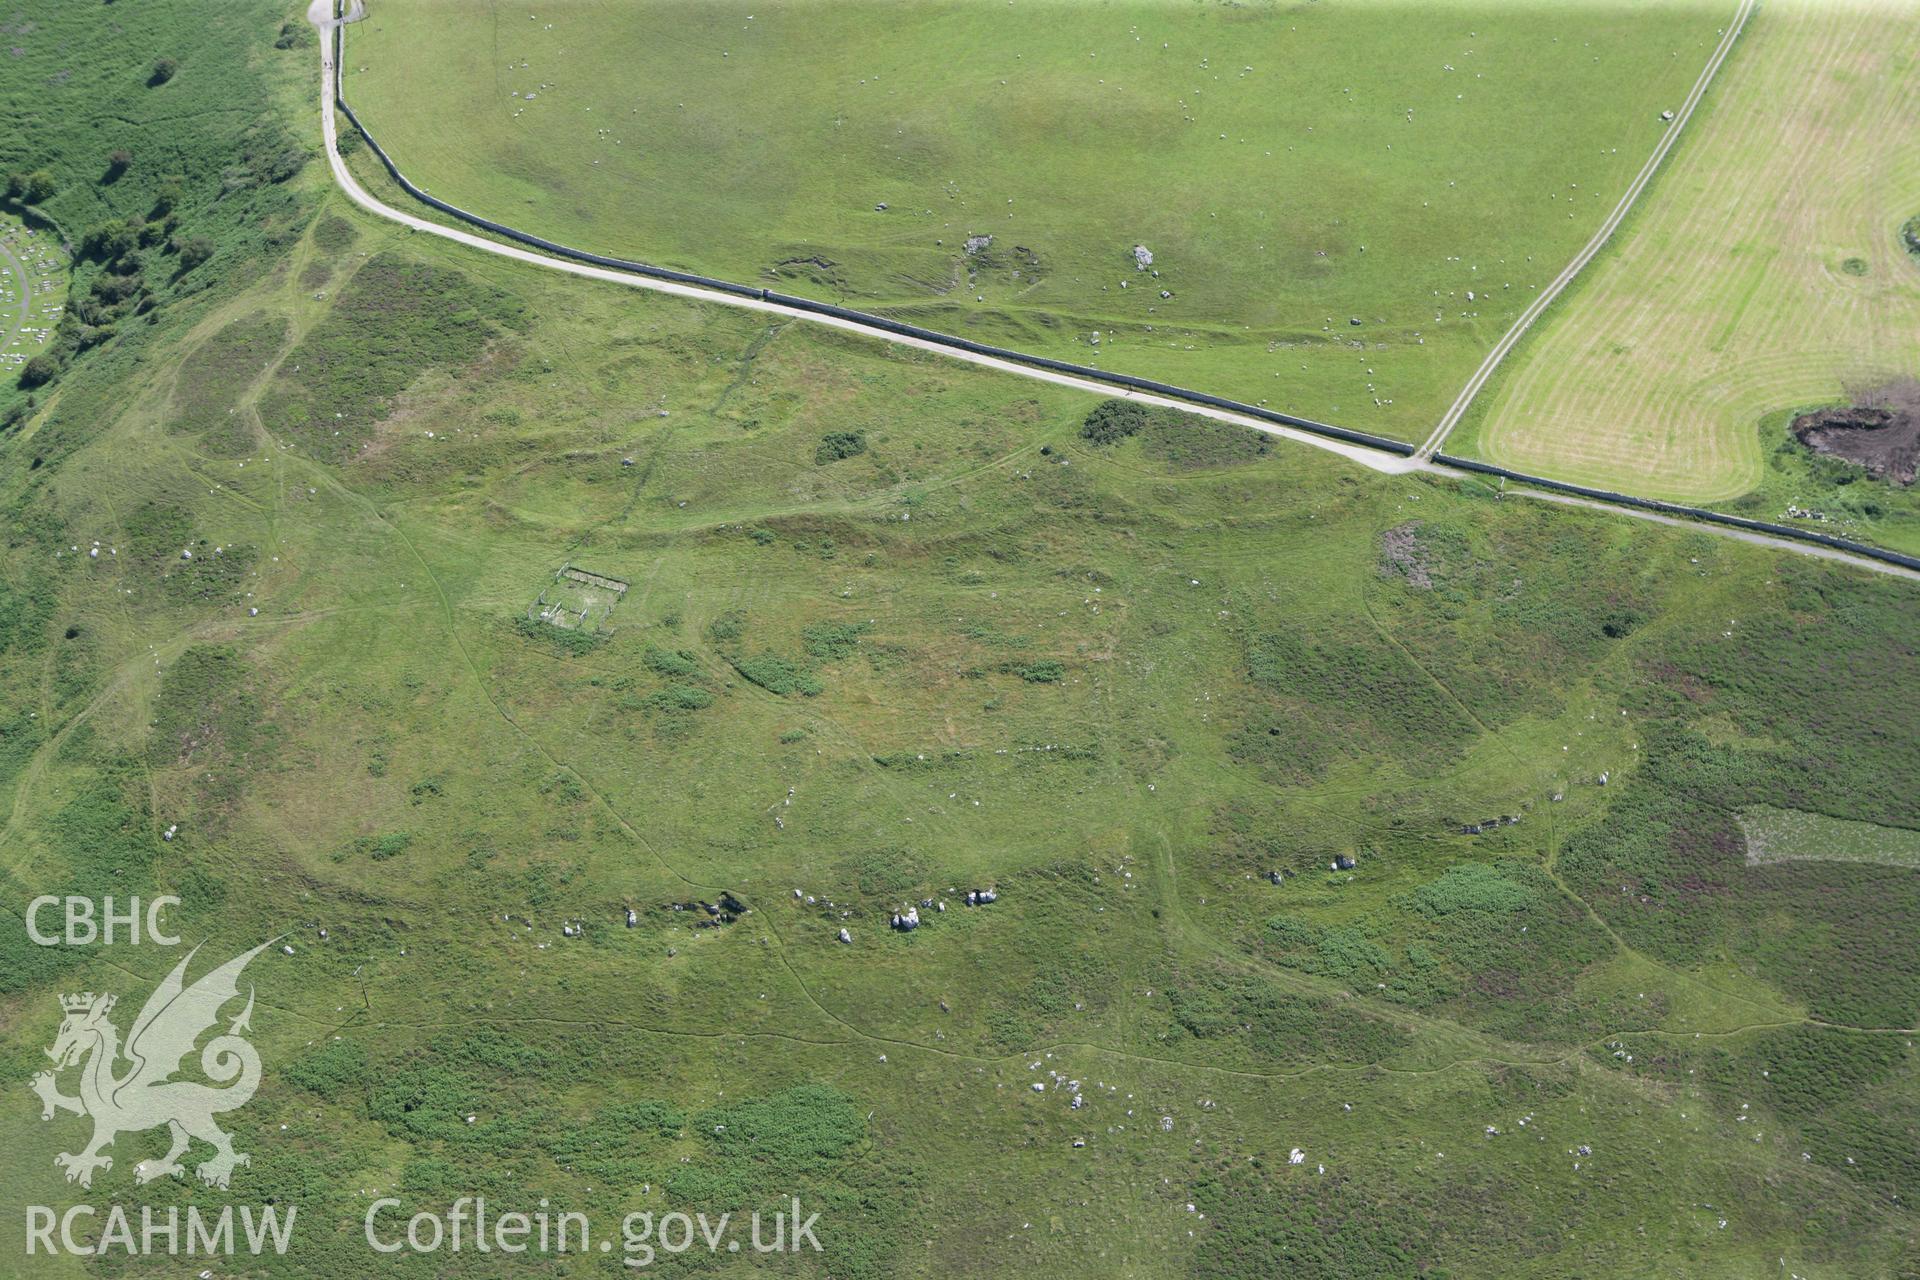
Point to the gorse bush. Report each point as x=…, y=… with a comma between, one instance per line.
x=336, y=1070
x=836, y=445
x=680, y=697
x=832, y=641
x=1470, y=886
x=1114, y=420
x=778, y=675
x=670, y=662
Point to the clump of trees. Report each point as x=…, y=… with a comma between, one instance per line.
x=123, y=248
x=221, y=165
x=40, y=370
x=120, y=288
x=31, y=187
x=193, y=250
x=166, y=196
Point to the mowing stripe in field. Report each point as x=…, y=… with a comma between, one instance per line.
x=1766, y=275
x=1451, y=418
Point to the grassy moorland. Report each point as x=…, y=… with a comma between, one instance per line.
x=893, y=629
x=1764, y=274
x=1123, y=683
x=1419, y=169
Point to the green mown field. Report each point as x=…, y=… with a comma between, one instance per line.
x=1292, y=168
x=1763, y=274
x=893, y=629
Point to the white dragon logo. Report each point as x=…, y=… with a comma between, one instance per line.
x=144, y=1096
